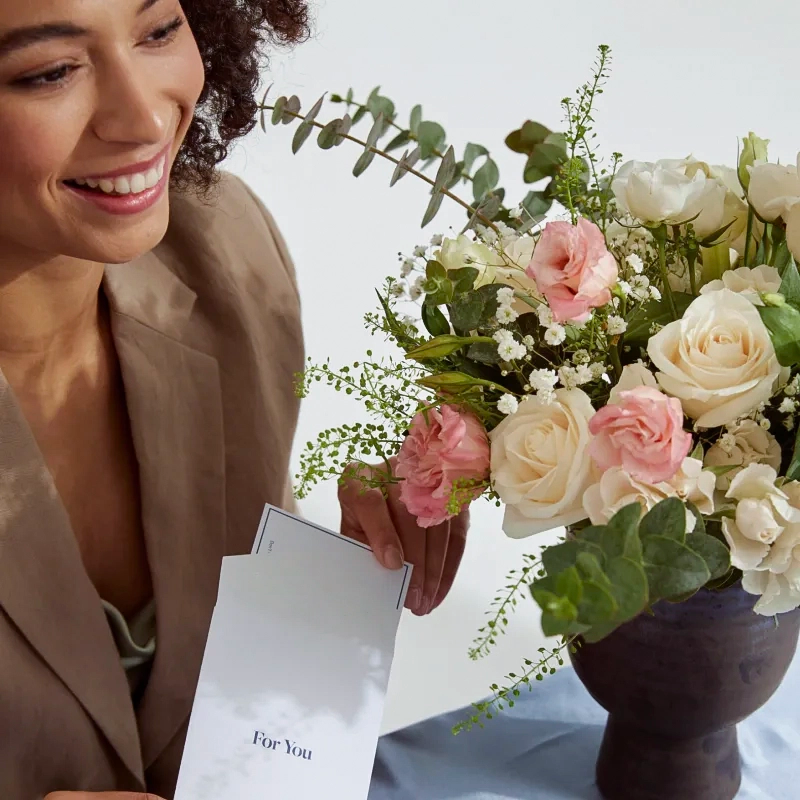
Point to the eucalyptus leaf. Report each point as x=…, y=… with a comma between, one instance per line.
x=628, y=587
x=589, y=566
x=343, y=129
x=543, y=162
x=485, y=179
x=569, y=585
x=716, y=555
x=361, y=112
x=484, y=353
x=466, y=311
x=559, y=557
x=527, y=137
x=376, y=131
x=463, y=278
x=291, y=109
x=667, y=518
x=401, y=140
x=790, y=284
x=597, y=604
x=431, y=137
x=471, y=153
x=363, y=162
x=446, y=170
x=433, y=208
x=621, y=537
x=328, y=135
x=416, y=119
x=407, y=162
x=277, y=110
x=672, y=568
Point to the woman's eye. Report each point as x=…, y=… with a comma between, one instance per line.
x=167, y=32
x=53, y=77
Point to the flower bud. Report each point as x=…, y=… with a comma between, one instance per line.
x=754, y=149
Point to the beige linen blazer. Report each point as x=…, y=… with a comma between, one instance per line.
x=207, y=328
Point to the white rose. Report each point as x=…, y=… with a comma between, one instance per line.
x=464, y=252
x=751, y=445
x=747, y=282
x=793, y=231
x=763, y=513
x=774, y=189
x=664, y=192
x=516, y=255
x=617, y=489
x=777, y=578
x=718, y=360
x=540, y=467
x=633, y=375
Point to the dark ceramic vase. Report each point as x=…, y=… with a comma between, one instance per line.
x=675, y=685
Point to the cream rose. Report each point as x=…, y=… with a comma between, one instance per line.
x=633, y=375
x=718, y=360
x=540, y=465
x=465, y=252
x=774, y=192
x=748, y=282
x=744, y=444
x=617, y=489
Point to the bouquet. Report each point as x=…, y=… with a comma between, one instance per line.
x=618, y=354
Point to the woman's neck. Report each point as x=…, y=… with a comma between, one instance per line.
x=51, y=325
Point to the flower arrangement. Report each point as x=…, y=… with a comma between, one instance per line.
x=618, y=354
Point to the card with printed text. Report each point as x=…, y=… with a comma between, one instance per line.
x=295, y=671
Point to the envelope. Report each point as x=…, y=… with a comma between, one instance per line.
x=296, y=666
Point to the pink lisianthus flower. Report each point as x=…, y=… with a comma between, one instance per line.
x=642, y=432
x=444, y=447
x=573, y=269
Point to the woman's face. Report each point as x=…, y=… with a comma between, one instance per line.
x=88, y=88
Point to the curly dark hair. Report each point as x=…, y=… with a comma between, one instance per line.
x=232, y=36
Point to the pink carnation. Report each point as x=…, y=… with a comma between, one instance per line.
x=573, y=269
x=448, y=446
x=642, y=433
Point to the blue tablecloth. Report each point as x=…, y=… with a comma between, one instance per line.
x=546, y=746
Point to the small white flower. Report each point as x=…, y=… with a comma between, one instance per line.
x=788, y=406
x=407, y=268
x=793, y=387
x=545, y=316
x=505, y=315
x=616, y=326
x=503, y=336
x=624, y=287
x=420, y=250
x=436, y=240
x=515, y=213
x=568, y=376
x=655, y=293
x=546, y=396
x=581, y=357
x=398, y=290
x=635, y=263
x=507, y=404
x=529, y=342
x=598, y=370
x=765, y=423
x=542, y=380
x=555, y=335
x=415, y=290
x=505, y=296
x=727, y=442
x=640, y=285
x=583, y=374
x=511, y=351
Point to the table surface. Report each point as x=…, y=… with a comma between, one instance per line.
x=546, y=746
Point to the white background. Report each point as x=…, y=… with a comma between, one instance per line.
x=688, y=77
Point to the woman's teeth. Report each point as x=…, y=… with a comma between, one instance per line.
x=127, y=184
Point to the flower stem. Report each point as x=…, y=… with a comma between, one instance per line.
x=396, y=161
x=748, y=236
x=660, y=235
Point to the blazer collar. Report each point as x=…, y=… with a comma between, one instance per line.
x=174, y=403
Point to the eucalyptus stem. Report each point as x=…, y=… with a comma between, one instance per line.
x=396, y=161
x=748, y=235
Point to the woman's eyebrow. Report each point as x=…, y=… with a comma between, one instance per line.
x=18, y=38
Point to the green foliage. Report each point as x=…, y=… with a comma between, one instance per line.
x=783, y=317
x=607, y=574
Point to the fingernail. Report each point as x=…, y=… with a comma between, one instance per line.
x=415, y=596
x=393, y=558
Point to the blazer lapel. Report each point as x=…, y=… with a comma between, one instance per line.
x=174, y=402
x=46, y=591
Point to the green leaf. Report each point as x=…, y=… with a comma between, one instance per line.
x=376, y=131
x=543, y=162
x=443, y=345
x=589, y=566
x=401, y=140
x=431, y=137
x=485, y=179
x=783, y=324
x=407, y=162
x=536, y=204
x=306, y=127
x=484, y=353
x=416, y=119
x=463, y=278
x=621, y=537
x=328, y=135
x=277, y=110
x=380, y=106
x=597, y=604
x=454, y=381
x=291, y=109
x=667, y=518
x=433, y=208
x=716, y=555
x=472, y=152
x=699, y=522
x=363, y=162
x=729, y=579
x=793, y=473
x=783, y=257
x=672, y=568
x=527, y=137
x=361, y=112
x=654, y=311
x=435, y=322
x=790, y=283
x=569, y=585
x=559, y=557
x=343, y=129
x=446, y=170
x=488, y=295
x=698, y=452
x=466, y=311
x=628, y=587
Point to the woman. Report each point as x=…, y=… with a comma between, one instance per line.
x=149, y=334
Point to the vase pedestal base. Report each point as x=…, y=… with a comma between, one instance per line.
x=636, y=765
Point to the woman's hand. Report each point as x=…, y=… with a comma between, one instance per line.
x=101, y=796
x=394, y=536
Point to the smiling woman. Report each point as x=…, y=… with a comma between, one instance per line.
x=149, y=338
